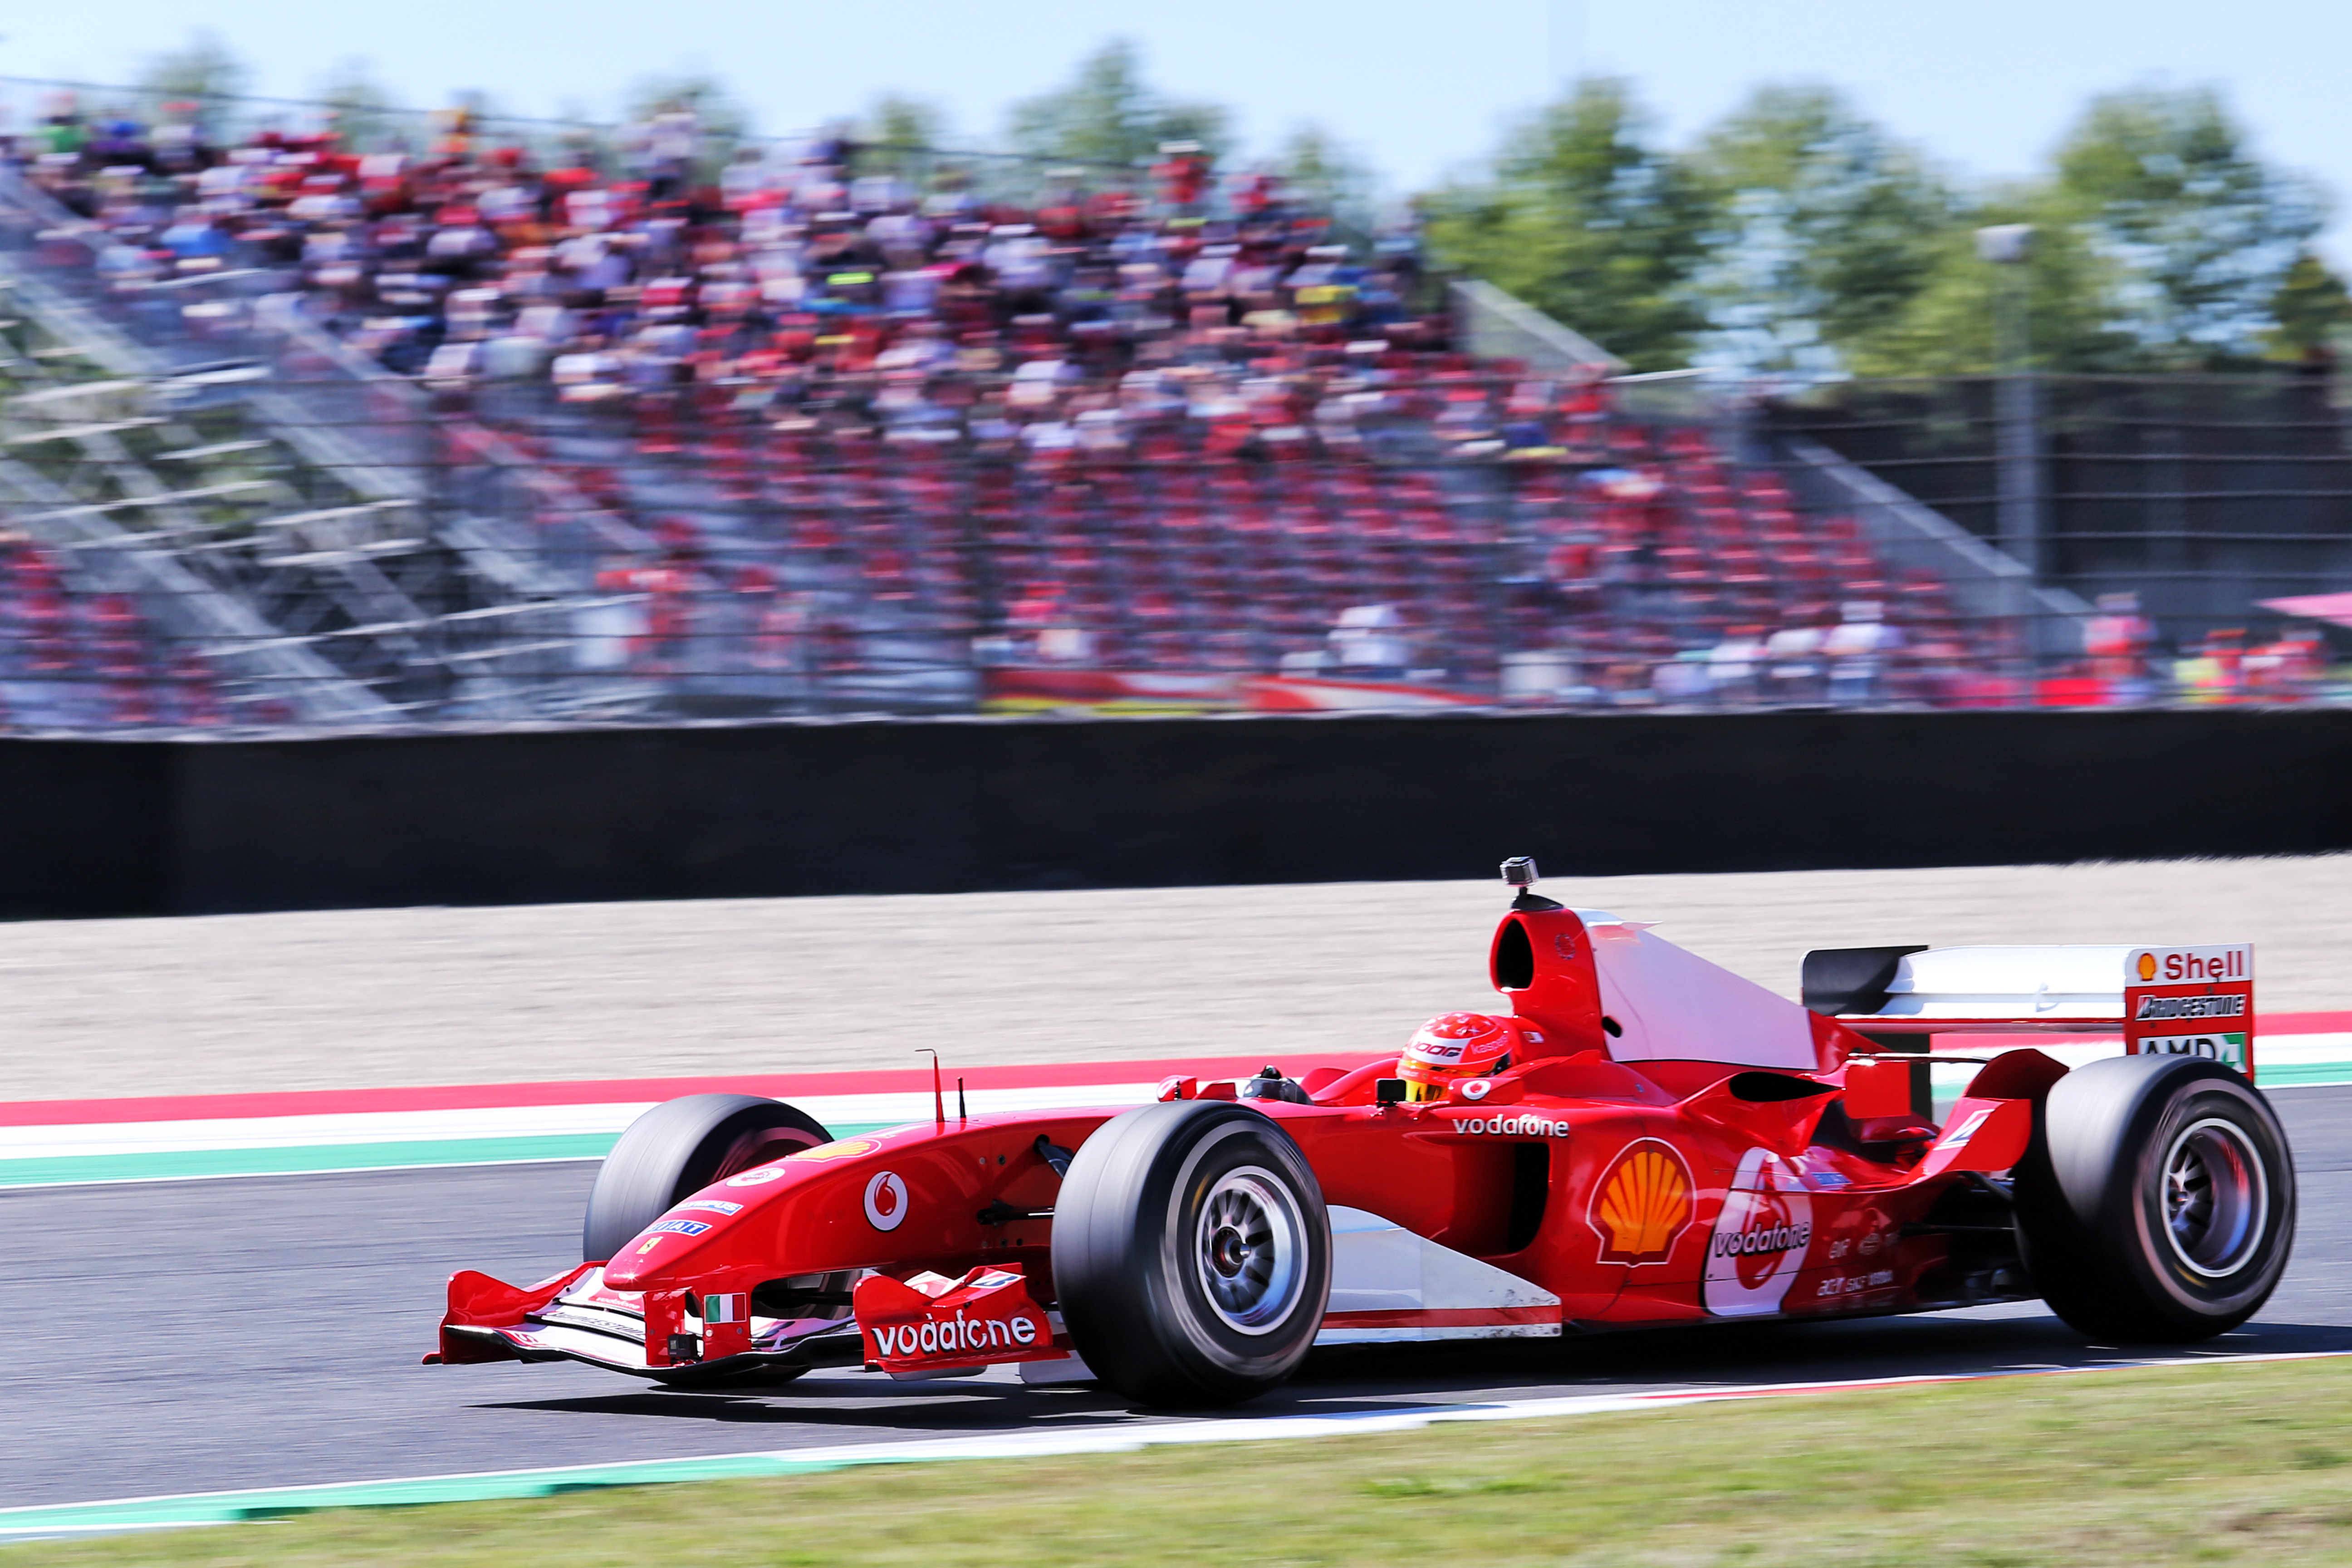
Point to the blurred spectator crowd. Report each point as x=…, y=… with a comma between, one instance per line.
x=1174, y=425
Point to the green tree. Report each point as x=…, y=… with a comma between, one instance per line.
x=1947, y=327
x=1825, y=228
x=2310, y=312
x=201, y=73
x=1108, y=115
x=362, y=108
x=1329, y=176
x=894, y=131
x=1584, y=216
x=2161, y=180
x=2160, y=243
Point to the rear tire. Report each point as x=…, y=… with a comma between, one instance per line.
x=1191, y=1254
x=2157, y=1202
x=676, y=1149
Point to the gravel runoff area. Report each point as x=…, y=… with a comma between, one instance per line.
x=368, y=997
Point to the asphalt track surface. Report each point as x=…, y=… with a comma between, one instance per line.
x=195, y=1336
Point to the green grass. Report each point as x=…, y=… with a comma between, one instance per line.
x=2227, y=1464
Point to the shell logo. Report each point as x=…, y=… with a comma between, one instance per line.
x=2147, y=967
x=1642, y=1204
x=842, y=1149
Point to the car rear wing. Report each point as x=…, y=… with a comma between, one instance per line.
x=2186, y=1001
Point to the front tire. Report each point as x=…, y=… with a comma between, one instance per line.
x=1191, y=1254
x=2157, y=1202
x=675, y=1150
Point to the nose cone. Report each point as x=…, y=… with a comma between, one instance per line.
x=709, y=1230
x=648, y=1260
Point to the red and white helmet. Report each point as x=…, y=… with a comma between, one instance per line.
x=1453, y=1046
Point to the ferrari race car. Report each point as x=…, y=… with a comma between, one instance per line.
x=1644, y=1139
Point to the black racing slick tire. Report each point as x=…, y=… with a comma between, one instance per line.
x=679, y=1147
x=2156, y=1203
x=1191, y=1254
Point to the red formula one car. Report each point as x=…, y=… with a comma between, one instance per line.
x=1644, y=1139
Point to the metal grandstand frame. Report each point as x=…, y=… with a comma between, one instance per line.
x=298, y=519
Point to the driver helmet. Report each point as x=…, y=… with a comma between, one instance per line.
x=1453, y=1046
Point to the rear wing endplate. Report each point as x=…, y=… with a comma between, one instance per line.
x=2187, y=1001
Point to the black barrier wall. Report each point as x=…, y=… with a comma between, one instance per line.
x=877, y=807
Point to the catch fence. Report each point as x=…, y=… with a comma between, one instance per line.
x=2199, y=496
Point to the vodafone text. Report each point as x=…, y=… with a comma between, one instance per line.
x=1513, y=1126
x=956, y=1336
x=1764, y=1238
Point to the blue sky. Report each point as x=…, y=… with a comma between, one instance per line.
x=1988, y=86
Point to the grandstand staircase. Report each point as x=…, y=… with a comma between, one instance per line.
x=1985, y=583
x=73, y=483
x=278, y=506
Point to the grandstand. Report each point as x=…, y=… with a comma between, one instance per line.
x=299, y=433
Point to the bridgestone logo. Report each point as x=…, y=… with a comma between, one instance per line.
x=1771, y=1238
x=1512, y=1127
x=2190, y=1008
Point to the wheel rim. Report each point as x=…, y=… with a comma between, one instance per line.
x=1249, y=1246
x=2216, y=1198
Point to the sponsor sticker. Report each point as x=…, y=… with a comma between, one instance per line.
x=2191, y=965
x=2228, y=1050
x=1477, y=1089
x=711, y=1206
x=681, y=1226
x=1959, y=1136
x=886, y=1201
x=2226, y=1006
x=1761, y=1237
x=2202, y=987
x=758, y=1178
x=1642, y=1204
x=957, y=1336
x=840, y=1148
x=1524, y=1126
